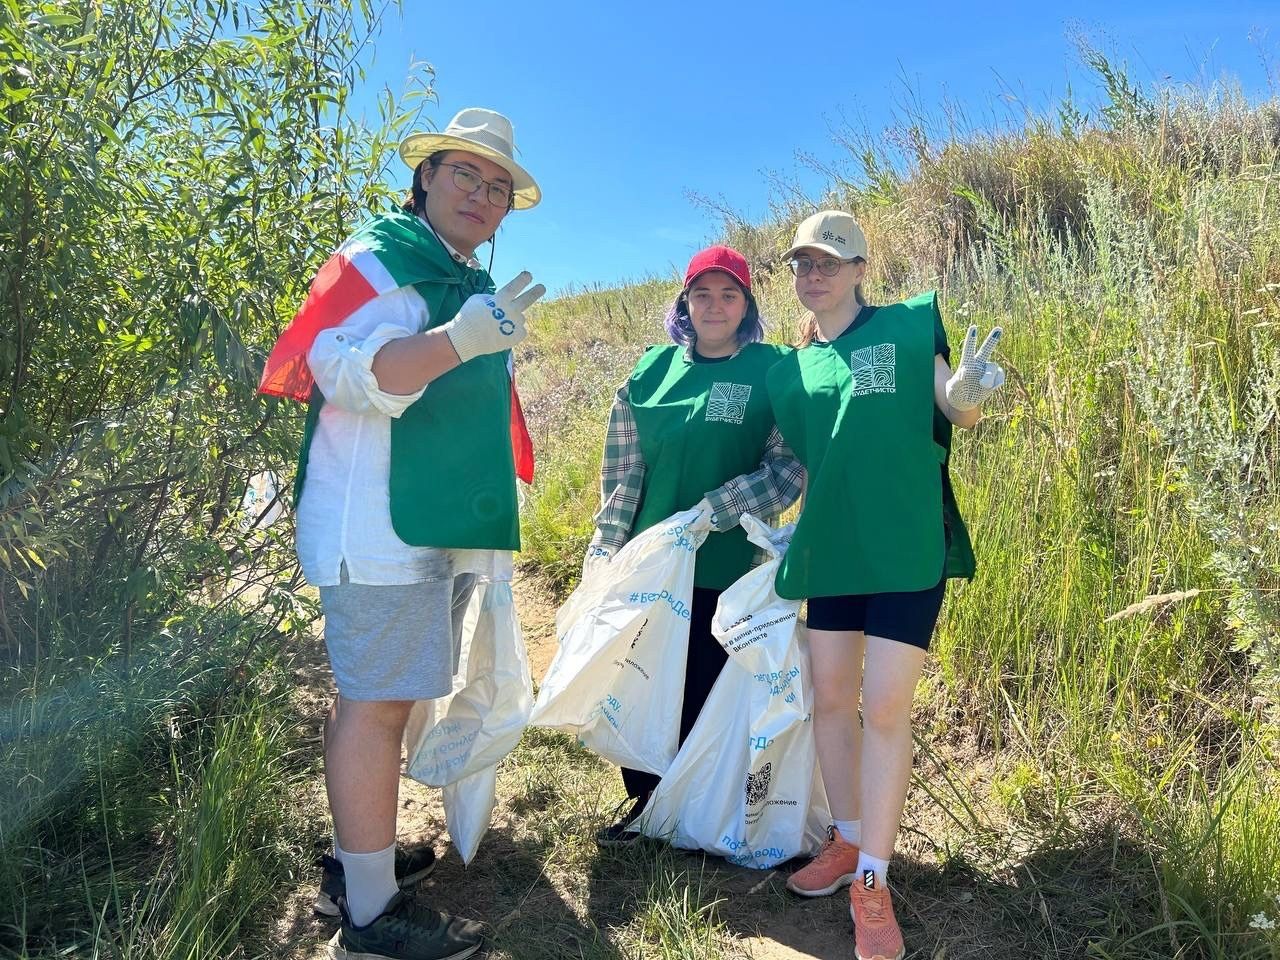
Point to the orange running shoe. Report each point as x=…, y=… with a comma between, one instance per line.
x=834, y=867
x=876, y=933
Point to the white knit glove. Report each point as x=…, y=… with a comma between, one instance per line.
x=491, y=323
x=976, y=377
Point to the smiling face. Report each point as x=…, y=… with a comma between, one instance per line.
x=716, y=308
x=464, y=219
x=829, y=295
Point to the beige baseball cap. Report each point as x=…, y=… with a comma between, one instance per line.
x=831, y=231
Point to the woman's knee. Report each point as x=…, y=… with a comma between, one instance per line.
x=885, y=712
x=832, y=700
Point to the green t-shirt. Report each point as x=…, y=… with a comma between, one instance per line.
x=451, y=479
x=960, y=559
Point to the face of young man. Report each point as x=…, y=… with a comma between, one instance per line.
x=459, y=202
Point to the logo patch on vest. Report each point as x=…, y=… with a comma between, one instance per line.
x=874, y=369
x=728, y=402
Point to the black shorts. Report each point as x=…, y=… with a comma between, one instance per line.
x=905, y=617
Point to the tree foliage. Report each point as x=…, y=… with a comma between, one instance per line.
x=172, y=173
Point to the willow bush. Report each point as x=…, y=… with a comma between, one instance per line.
x=173, y=172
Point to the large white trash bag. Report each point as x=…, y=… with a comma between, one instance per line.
x=457, y=741
x=617, y=681
x=744, y=784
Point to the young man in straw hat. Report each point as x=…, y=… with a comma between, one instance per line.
x=405, y=493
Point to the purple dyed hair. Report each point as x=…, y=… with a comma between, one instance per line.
x=680, y=327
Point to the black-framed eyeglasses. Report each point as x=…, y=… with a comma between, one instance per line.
x=468, y=181
x=827, y=266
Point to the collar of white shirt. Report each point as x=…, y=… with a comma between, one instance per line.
x=471, y=262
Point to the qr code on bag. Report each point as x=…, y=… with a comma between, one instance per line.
x=758, y=784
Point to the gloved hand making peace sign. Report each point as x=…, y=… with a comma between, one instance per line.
x=976, y=377
x=490, y=323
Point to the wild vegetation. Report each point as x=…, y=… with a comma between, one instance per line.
x=1098, y=728
x=172, y=172
x=1112, y=671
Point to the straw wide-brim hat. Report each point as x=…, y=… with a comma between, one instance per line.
x=486, y=134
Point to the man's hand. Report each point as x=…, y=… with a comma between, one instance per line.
x=976, y=377
x=491, y=323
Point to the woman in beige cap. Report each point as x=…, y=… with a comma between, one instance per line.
x=406, y=494
x=868, y=404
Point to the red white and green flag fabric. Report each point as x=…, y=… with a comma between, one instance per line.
x=382, y=256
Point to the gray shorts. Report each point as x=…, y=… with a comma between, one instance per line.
x=398, y=642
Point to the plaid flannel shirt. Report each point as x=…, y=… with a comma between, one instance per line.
x=765, y=492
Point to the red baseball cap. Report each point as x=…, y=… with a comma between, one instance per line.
x=719, y=257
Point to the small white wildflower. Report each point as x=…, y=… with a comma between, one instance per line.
x=1261, y=921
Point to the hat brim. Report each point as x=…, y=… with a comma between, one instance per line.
x=717, y=268
x=825, y=248
x=418, y=146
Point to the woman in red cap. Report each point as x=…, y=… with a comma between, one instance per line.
x=692, y=426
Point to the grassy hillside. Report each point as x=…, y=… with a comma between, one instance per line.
x=1098, y=726
x=1113, y=667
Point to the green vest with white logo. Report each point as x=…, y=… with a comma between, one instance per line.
x=859, y=412
x=452, y=478
x=700, y=425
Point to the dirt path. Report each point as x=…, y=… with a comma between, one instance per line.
x=973, y=885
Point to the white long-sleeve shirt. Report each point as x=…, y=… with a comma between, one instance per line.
x=344, y=513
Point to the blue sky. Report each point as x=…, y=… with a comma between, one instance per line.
x=623, y=110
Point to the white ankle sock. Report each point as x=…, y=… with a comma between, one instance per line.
x=881, y=868
x=371, y=882
x=851, y=830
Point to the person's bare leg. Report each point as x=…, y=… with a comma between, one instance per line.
x=362, y=777
x=888, y=687
x=835, y=658
x=330, y=719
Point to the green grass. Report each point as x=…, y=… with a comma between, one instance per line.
x=1086, y=784
x=149, y=821
x=1134, y=262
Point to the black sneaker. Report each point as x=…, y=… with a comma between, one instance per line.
x=412, y=864
x=617, y=834
x=405, y=930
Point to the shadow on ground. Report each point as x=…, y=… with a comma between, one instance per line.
x=1054, y=903
x=964, y=887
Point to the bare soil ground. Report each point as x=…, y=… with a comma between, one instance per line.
x=968, y=882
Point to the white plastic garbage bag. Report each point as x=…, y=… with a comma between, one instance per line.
x=457, y=741
x=617, y=681
x=745, y=784
x=261, y=505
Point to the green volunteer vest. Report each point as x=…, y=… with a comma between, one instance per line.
x=452, y=479
x=859, y=412
x=699, y=426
